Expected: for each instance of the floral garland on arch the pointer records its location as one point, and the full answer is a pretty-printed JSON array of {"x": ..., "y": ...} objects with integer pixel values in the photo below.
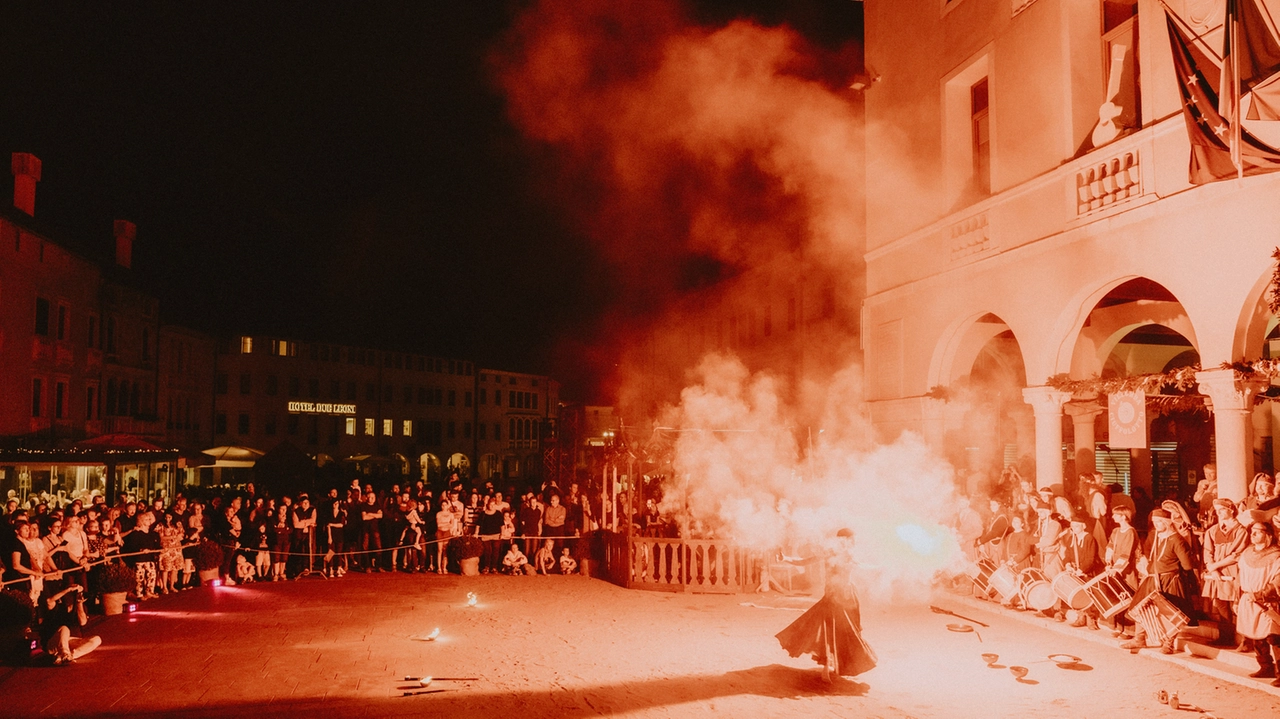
[
  {"x": 1181, "y": 379},
  {"x": 1273, "y": 291}
]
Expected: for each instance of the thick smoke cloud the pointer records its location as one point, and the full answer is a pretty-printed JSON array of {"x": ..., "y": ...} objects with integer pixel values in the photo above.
[{"x": 719, "y": 171}]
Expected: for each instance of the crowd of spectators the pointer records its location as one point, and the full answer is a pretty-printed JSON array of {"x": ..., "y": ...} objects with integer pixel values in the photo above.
[
  {"x": 1210, "y": 559},
  {"x": 55, "y": 550}
]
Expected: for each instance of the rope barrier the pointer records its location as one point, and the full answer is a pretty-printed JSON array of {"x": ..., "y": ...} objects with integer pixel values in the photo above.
[{"x": 117, "y": 555}]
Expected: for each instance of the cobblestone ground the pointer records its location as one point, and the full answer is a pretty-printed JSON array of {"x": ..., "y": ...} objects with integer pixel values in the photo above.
[{"x": 573, "y": 647}]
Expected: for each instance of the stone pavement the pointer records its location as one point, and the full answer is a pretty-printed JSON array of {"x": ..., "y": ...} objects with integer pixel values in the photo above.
[
  {"x": 575, "y": 647},
  {"x": 1198, "y": 656}
]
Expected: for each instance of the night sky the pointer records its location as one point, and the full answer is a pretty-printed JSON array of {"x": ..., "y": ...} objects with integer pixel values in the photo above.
[{"x": 337, "y": 172}]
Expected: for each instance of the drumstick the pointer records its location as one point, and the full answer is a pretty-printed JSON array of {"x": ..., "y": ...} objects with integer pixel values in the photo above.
[{"x": 940, "y": 610}]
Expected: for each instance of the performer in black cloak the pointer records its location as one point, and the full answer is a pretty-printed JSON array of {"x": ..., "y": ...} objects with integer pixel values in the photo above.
[{"x": 831, "y": 630}]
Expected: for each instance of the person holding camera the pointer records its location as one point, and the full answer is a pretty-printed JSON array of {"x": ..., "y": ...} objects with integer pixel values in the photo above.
[{"x": 61, "y": 617}]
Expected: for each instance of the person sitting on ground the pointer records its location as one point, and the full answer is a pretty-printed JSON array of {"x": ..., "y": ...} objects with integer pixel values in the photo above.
[
  {"x": 515, "y": 562},
  {"x": 568, "y": 565},
  {"x": 545, "y": 561},
  {"x": 60, "y": 618}
]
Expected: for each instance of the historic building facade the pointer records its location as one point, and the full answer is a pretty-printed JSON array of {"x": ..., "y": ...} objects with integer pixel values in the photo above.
[{"x": 1030, "y": 215}]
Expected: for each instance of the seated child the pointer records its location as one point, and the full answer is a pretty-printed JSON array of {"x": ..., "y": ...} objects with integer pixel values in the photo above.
[
  {"x": 546, "y": 558},
  {"x": 568, "y": 565},
  {"x": 515, "y": 561},
  {"x": 245, "y": 570}
]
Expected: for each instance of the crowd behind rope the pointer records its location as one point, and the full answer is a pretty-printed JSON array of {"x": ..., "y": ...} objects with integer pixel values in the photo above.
[
  {"x": 54, "y": 550},
  {"x": 1214, "y": 560}
]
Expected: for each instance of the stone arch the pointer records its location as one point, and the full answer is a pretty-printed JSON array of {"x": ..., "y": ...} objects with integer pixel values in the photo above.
[
  {"x": 1088, "y": 340},
  {"x": 1255, "y": 322},
  {"x": 961, "y": 344}
]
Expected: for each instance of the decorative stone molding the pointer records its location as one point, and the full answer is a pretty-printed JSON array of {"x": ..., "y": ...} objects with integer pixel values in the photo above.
[
  {"x": 1109, "y": 182},
  {"x": 1045, "y": 400},
  {"x": 1226, "y": 392},
  {"x": 970, "y": 236}
]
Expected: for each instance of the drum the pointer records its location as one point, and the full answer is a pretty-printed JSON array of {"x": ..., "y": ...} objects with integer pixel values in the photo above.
[
  {"x": 1035, "y": 590},
  {"x": 1070, "y": 590},
  {"x": 1158, "y": 617},
  {"x": 1109, "y": 593},
  {"x": 981, "y": 575},
  {"x": 1005, "y": 583}
]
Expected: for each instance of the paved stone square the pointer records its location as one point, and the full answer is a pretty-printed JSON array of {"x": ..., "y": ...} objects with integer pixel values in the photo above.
[{"x": 574, "y": 647}]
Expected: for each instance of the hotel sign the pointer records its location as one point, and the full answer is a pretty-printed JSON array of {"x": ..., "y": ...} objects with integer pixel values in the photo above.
[{"x": 321, "y": 408}]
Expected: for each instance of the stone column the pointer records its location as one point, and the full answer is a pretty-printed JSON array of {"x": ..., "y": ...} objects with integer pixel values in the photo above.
[
  {"x": 1232, "y": 401},
  {"x": 1083, "y": 415},
  {"x": 1047, "y": 403}
]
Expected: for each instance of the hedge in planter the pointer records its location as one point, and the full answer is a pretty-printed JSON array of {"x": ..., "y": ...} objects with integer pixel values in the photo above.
[
  {"x": 118, "y": 577},
  {"x": 207, "y": 555}
]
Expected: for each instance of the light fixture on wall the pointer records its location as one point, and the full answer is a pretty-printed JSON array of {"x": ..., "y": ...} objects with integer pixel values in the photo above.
[{"x": 864, "y": 80}]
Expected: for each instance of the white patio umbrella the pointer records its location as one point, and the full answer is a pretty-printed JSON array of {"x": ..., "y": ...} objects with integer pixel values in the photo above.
[{"x": 233, "y": 456}]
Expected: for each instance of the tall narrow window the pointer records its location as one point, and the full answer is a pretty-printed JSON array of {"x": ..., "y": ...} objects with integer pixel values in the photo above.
[
  {"x": 37, "y": 397},
  {"x": 93, "y": 332},
  {"x": 246, "y": 345},
  {"x": 63, "y": 312},
  {"x": 90, "y": 401},
  {"x": 60, "y": 400},
  {"x": 1121, "y": 107},
  {"x": 979, "y": 104},
  {"x": 42, "y": 317}
]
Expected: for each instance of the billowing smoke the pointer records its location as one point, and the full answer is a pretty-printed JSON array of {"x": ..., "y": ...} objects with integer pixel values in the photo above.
[{"x": 719, "y": 171}]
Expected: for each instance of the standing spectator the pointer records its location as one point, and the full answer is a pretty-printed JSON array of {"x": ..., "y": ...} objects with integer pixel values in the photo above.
[
  {"x": 335, "y": 532},
  {"x": 370, "y": 532},
  {"x": 1207, "y": 491},
  {"x": 553, "y": 519},
  {"x": 411, "y": 538},
  {"x": 490, "y": 527},
  {"x": 446, "y": 528},
  {"x": 141, "y": 549},
  {"x": 529, "y": 523},
  {"x": 281, "y": 541},
  {"x": 1224, "y": 542},
  {"x": 304, "y": 534},
  {"x": 171, "y": 536},
  {"x": 24, "y": 570}
]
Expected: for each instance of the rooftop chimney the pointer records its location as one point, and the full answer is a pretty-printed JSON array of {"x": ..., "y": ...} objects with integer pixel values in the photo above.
[
  {"x": 125, "y": 232},
  {"x": 26, "y": 173}
]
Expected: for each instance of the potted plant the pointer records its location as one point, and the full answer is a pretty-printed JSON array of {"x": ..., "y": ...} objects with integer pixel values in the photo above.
[
  {"x": 118, "y": 579},
  {"x": 16, "y": 615},
  {"x": 208, "y": 560},
  {"x": 466, "y": 552}
]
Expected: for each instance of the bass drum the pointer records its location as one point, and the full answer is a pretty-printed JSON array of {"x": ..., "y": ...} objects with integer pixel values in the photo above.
[
  {"x": 1036, "y": 591},
  {"x": 1070, "y": 590}
]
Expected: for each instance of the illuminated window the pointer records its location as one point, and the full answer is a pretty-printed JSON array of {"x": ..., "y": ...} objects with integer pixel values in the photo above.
[
  {"x": 246, "y": 345},
  {"x": 368, "y": 427},
  {"x": 407, "y": 429},
  {"x": 387, "y": 427},
  {"x": 351, "y": 426}
]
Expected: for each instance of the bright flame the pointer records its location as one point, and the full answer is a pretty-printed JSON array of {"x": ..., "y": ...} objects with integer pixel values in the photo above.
[{"x": 471, "y": 600}]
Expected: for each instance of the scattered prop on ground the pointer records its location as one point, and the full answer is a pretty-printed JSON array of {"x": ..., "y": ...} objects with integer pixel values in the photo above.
[{"x": 940, "y": 610}]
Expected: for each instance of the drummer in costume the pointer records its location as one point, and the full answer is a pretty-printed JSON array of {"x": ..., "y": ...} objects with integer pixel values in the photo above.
[
  {"x": 831, "y": 630},
  {"x": 1121, "y": 556},
  {"x": 1223, "y": 544},
  {"x": 1080, "y": 555},
  {"x": 1049, "y": 549},
  {"x": 993, "y": 534},
  {"x": 1162, "y": 562},
  {"x": 1258, "y": 611}
]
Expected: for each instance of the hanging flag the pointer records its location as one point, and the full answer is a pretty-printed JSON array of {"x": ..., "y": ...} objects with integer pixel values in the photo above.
[
  {"x": 1207, "y": 129},
  {"x": 1127, "y": 420},
  {"x": 1258, "y": 66},
  {"x": 1229, "y": 84}
]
